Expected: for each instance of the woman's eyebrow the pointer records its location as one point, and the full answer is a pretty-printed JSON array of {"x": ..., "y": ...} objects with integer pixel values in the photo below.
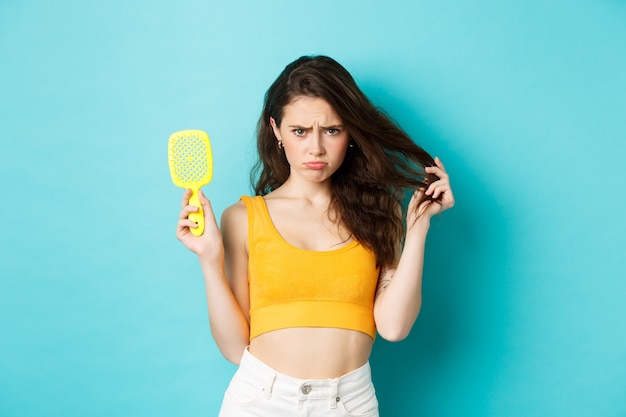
[{"x": 332, "y": 126}]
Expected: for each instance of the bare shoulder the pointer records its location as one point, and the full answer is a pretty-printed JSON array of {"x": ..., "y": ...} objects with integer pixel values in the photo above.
[
  {"x": 234, "y": 224},
  {"x": 235, "y": 212}
]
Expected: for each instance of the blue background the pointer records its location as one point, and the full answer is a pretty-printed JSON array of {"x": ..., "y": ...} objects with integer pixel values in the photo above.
[{"x": 103, "y": 312}]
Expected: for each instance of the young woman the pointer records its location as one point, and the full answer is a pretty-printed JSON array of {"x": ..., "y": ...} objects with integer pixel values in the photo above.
[{"x": 301, "y": 277}]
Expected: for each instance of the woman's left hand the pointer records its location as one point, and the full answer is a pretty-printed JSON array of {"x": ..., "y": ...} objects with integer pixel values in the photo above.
[{"x": 440, "y": 192}]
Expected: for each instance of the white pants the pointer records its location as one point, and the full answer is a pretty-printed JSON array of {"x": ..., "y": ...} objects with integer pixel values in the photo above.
[{"x": 257, "y": 390}]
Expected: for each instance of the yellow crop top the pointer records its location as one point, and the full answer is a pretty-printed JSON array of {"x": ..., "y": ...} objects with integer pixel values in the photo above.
[{"x": 293, "y": 287}]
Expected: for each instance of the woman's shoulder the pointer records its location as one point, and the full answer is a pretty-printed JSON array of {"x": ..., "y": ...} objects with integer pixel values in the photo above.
[
  {"x": 234, "y": 221},
  {"x": 236, "y": 210},
  {"x": 235, "y": 214}
]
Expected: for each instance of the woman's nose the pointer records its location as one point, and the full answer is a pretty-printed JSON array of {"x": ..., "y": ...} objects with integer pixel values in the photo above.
[{"x": 315, "y": 145}]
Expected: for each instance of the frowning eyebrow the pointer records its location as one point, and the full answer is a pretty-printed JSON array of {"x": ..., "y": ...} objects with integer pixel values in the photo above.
[{"x": 338, "y": 126}]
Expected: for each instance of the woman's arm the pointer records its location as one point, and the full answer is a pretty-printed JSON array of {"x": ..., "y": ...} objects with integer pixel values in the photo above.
[
  {"x": 222, "y": 255},
  {"x": 399, "y": 294}
]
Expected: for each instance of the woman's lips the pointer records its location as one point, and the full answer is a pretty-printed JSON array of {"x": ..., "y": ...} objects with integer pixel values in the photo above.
[{"x": 315, "y": 164}]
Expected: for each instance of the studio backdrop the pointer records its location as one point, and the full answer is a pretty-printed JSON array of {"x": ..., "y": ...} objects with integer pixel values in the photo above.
[{"x": 103, "y": 311}]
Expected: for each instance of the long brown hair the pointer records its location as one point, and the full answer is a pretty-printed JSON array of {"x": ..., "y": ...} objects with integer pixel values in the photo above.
[{"x": 380, "y": 167}]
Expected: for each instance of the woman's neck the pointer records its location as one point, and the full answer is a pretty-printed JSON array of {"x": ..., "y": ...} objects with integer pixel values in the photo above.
[{"x": 315, "y": 193}]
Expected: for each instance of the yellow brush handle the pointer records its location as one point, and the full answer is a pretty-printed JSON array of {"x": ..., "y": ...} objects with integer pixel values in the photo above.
[{"x": 198, "y": 216}]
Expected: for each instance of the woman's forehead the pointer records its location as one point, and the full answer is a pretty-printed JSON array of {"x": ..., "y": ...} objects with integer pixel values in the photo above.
[{"x": 305, "y": 110}]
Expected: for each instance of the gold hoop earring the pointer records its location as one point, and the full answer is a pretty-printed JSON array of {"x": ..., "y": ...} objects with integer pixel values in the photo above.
[{"x": 280, "y": 144}]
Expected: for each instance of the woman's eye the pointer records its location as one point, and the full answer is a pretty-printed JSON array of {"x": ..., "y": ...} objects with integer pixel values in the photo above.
[
  {"x": 299, "y": 132},
  {"x": 333, "y": 131}
]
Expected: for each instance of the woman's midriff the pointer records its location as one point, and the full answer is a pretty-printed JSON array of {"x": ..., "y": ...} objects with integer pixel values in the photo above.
[{"x": 312, "y": 353}]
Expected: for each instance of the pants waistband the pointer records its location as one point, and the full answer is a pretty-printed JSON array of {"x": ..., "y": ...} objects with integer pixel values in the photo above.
[{"x": 253, "y": 369}]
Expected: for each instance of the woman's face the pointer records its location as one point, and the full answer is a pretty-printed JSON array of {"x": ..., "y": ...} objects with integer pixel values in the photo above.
[{"x": 314, "y": 138}]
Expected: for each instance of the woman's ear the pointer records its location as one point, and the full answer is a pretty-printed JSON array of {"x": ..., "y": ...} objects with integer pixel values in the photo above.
[{"x": 275, "y": 129}]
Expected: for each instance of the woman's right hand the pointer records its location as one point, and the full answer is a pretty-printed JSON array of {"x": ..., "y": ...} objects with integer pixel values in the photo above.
[{"x": 209, "y": 244}]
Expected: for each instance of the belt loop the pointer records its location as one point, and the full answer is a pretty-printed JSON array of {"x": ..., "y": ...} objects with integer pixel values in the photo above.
[
  {"x": 334, "y": 397},
  {"x": 270, "y": 386}
]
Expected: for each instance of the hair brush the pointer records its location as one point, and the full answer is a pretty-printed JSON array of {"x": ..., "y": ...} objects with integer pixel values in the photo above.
[{"x": 191, "y": 167}]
